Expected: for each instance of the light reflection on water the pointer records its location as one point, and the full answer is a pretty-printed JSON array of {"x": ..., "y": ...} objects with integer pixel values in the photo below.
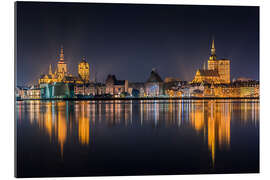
[{"x": 211, "y": 119}]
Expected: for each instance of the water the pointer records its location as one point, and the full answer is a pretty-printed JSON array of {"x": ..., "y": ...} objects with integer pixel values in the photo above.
[{"x": 90, "y": 138}]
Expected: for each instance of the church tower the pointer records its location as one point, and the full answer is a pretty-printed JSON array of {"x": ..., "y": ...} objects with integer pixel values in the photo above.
[
  {"x": 61, "y": 64},
  {"x": 218, "y": 70},
  {"x": 221, "y": 65},
  {"x": 50, "y": 70},
  {"x": 213, "y": 51},
  {"x": 212, "y": 63},
  {"x": 83, "y": 70}
]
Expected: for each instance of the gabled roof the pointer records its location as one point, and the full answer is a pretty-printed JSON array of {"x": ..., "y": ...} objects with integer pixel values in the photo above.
[
  {"x": 111, "y": 79},
  {"x": 154, "y": 77}
]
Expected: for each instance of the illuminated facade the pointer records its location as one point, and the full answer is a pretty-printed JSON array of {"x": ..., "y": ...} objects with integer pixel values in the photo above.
[
  {"x": 154, "y": 85},
  {"x": 83, "y": 70},
  {"x": 115, "y": 87},
  {"x": 218, "y": 71},
  {"x": 61, "y": 65},
  {"x": 89, "y": 89},
  {"x": 206, "y": 76},
  {"x": 234, "y": 89}
]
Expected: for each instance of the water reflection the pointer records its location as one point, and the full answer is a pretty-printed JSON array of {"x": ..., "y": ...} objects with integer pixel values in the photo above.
[
  {"x": 211, "y": 120},
  {"x": 84, "y": 124}
]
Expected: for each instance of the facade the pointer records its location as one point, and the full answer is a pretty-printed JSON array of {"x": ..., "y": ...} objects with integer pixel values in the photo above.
[
  {"x": 154, "y": 85},
  {"x": 61, "y": 65},
  {"x": 173, "y": 87},
  {"x": 32, "y": 92},
  {"x": 136, "y": 87},
  {"x": 89, "y": 89},
  {"x": 21, "y": 93},
  {"x": 235, "y": 89},
  {"x": 83, "y": 71},
  {"x": 206, "y": 76},
  {"x": 57, "y": 90},
  {"x": 115, "y": 87},
  {"x": 218, "y": 71},
  {"x": 223, "y": 68}
]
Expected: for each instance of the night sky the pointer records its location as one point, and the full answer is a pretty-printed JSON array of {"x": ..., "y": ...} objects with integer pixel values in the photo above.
[{"x": 129, "y": 40}]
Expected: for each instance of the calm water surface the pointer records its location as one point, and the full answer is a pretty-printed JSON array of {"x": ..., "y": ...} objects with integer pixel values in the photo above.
[{"x": 84, "y": 138}]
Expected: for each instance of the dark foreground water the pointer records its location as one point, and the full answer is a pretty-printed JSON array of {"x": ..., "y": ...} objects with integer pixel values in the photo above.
[{"x": 89, "y": 138}]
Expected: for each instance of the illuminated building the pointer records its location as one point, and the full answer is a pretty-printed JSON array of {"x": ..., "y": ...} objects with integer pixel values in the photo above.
[
  {"x": 154, "y": 85},
  {"x": 61, "y": 73},
  {"x": 89, "y": 89},
  {"x": 21, "y": 93},
  {"x": 173, "y": 93},
  {"x": 61, "y": 65},
  {"x": 136, "y": 88},
  {"x": 218, "y": 70},
  {"x": 221, "y": 65},
  {"x": 115, "y": 87},
  {"x": 206, "y": 76},
  {"x": 235, "y": 89},
  {"x": 83, "y": 70},
  {"x": 28, "y": 93},
  {"x": 60, "y": 84},
  {"x": 57, "y": 90}
]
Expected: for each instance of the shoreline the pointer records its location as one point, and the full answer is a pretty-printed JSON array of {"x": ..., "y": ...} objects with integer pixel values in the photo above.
[{"x": 144, "y": 98}]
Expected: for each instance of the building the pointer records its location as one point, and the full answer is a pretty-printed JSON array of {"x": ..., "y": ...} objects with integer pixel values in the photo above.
[
  {"x": 57, "y": 90},
  {"x": 173, "y": 87},
  {"x": 218, "y": 71},
  {"x": 61, "y": 65},
  {"x": 61, "y": 73},
  {"x": 32, "y": 92},
  {"x": 83, "y": 71},
  {"x": 61, "y": 83},
  {"x": 20, "y": 92},
  {"x": 234, "y": 89},
  {"x": 89, "y": 89},
  {"x": 154, "y": 85},
  {"x": 115, "y": 87},
  {"x": 134, "y": 87},
  {"x": 206, "y": 76}
]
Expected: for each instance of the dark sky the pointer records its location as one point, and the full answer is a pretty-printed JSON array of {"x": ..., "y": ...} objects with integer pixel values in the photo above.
[{"x": 130, "y": 40}]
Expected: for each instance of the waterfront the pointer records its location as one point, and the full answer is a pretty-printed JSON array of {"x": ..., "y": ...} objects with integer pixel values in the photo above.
[{"x": 73, "y": 138}]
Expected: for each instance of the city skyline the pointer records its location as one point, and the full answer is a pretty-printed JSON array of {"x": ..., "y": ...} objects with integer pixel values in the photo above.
[
  {"x": 174, "y": 51},
  {"x": 105, "y": 89}
]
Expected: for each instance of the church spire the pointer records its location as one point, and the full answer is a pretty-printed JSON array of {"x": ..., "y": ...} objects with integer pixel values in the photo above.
[
  {"x": 61, "y": 54},
  {"x": 83, "y": 59},
  {"x": 213, "y": 51},
  {"x": 50, "y": 69}
]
